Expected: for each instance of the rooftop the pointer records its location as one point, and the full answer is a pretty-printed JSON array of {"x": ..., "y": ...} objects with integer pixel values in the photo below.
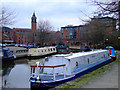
[
  {"x": 71, "y": 26},
  {"x": 22, "y": 28}
]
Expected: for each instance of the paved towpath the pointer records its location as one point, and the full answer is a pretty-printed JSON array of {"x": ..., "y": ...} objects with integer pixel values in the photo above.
[{"x": 108, "y": 80}]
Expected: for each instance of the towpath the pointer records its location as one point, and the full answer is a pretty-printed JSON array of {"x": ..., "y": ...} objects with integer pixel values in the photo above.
[{"x": 109, "y": 79}]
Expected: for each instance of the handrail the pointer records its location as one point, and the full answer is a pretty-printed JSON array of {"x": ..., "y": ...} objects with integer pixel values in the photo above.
[{"x": 49, "y": 66}]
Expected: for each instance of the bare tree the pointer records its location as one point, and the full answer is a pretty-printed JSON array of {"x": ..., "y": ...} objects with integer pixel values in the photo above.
[
  {"x": 108, "y": 7},
  {"x": 6, "y": 17},
  {"x": 44, "y": 31},
  {"x": 111, "y": 8}
]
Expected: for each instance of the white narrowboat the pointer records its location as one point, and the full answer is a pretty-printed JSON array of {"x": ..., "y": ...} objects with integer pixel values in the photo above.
[
  {"x": 38, "y": 52},
  {"x": 62, "y": 68}
]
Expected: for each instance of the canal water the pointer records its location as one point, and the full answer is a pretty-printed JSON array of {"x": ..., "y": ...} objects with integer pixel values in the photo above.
[{"x": 17, "y": 73}]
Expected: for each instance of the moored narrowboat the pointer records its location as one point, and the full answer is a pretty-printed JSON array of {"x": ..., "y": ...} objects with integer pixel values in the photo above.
[
  {"x": 111, "y": 51},
  {"x": 61, "y": 49},
  {"x": 41, "y": 52},
  {"x": 6, "y": 55},
  {"x": 67, "y": 67}
]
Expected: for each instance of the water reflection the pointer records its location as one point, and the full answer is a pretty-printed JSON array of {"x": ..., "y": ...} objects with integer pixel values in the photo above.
[{"x": 17, "y": 74}]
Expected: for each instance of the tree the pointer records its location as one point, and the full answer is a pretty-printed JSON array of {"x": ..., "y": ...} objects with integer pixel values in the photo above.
[
  {"x": 44, "y": 31},
  {"x": 95, "y": 31},
  {"x": 108, "y": 8},
  {"x": 111, "y": 8},
  {"x": 6, "y": 17}
]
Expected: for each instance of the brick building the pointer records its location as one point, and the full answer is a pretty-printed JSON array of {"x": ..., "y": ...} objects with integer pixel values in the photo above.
[
  {"x": 21, "y": 35},
  {"x": 71, "y": 34},
  {"x": 6, "y": 36},
  {"x": 80, "y": 35}
]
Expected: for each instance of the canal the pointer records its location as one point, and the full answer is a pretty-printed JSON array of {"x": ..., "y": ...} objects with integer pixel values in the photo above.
[{"x": 17, "y": 73}]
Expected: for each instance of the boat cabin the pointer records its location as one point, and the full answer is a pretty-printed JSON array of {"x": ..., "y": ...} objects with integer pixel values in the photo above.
[
  {"x": 5, "y": 54},
  {"x": 41, "y": 51}
]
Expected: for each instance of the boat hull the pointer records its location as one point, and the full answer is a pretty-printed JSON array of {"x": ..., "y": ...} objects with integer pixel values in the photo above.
[
  {"x": 53, "y": 84},
  {"x": 40, "y": 56}
]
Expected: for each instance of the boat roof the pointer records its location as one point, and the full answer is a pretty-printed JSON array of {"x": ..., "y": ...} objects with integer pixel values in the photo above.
[
  {"x": 62, "y": 55},
  {"x": 4, "y": 48},
  {"x": 41, "y": 48},
  {"x": 74, "y": 55}
]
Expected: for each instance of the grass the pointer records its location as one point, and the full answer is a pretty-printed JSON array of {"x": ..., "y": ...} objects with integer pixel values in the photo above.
[{"x": 83, "y": 80}]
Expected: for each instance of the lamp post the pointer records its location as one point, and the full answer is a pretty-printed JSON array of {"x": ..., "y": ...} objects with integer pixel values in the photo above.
[{"x": 107, "y": 41}]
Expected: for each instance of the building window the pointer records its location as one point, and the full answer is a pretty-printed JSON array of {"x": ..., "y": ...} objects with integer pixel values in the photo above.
[
  {"x": 19, "y": 42},
  {"x": 19, "y": 36},
  {"x": 22, "y": 35}
]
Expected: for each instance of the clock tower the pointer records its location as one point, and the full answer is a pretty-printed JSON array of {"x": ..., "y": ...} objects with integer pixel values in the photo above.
[{"x": 33, "y": 23}]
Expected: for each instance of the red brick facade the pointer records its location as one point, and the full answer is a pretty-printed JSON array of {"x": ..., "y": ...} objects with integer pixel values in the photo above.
[
  {"x": 71, "y": 34},
  {"x": 20, "y": 35}
]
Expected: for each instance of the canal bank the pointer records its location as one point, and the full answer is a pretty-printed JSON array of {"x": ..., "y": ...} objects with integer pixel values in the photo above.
[
  {"x": 109, "y": 79},
  {"x": 102, "y": 74}
]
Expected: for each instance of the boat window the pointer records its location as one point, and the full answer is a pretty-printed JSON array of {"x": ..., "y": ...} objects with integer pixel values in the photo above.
[
  {"x": 48, "y": 49},
  {"x": 69, "y": 60},
  {"x": 54, "y": 49},
  {"x": 42, "y": 50},
  {"x": 51, "y": 49},
  {"x": 76, "y": 64},
  {"x": 88, "y": 61}
]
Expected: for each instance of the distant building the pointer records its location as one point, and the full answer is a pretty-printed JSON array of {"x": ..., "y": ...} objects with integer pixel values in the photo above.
[
  {"x": 21, "y": 35},
  {"x": 6, "y": 35},
  {"x": 71, "y": 34},
  {"x": 109, "y": 22},
  {"x": 79, "y": 35}
]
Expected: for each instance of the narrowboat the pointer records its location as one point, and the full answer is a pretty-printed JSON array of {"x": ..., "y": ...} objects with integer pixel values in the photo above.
[
  {"x": 5, "y": 55},
  {"x": 111, "y": 51},
  {"x": 61, "y": 49},
  {"x": 41, "y": 52},
  {"x": 19, "y": 52},
  {"x": 67, "y": 67}
]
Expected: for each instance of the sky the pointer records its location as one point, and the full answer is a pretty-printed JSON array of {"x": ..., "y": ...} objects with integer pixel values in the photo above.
[{"x": 59, "y": 13}]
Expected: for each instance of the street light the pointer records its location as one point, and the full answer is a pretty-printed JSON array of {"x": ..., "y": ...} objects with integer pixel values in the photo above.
[
  {"x": 119, "y": 38},
  {"x": 107, "y": 39}
]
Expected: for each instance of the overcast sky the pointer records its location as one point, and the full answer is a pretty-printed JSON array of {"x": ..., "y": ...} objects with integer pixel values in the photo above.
[{"x": 58, "y": 12}]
